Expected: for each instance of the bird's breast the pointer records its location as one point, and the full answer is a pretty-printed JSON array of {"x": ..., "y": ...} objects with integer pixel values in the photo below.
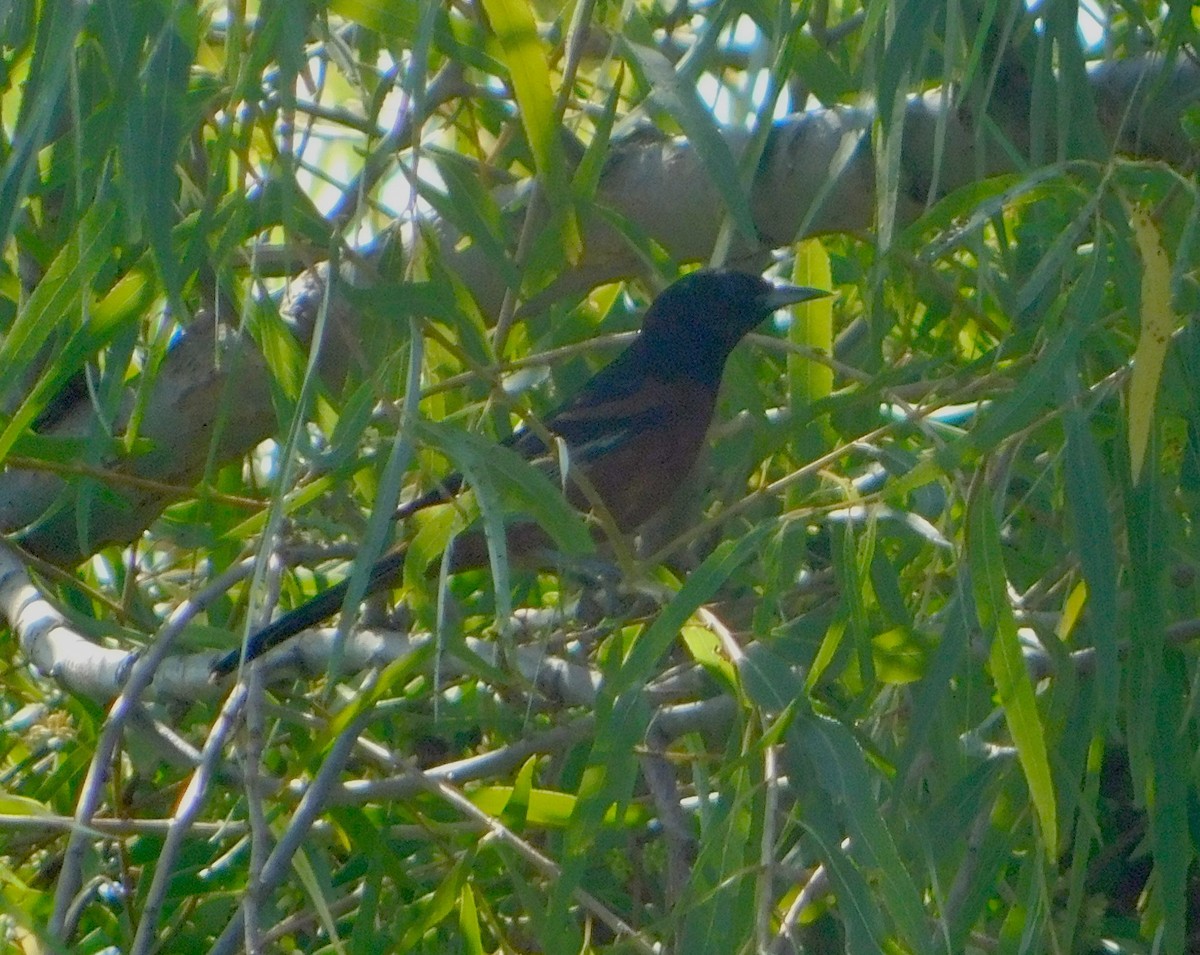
[{"x": 645, "y": 466}]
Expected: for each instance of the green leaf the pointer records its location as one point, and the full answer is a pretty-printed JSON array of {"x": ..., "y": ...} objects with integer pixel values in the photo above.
[
  {"x": 1095, "y": 543},
  {"x": 57, "y": 301},
  {"x": 827, "y": 767},
  {"x": 392, "y": 301},
  {"x": 1157, "y": 325},
  {"x": 380, "y": 524},
  {"x": 400, "y": 19},
  {"x": 320, "y": 892},
  {"x": 598, "y": 152},
  {"x": 1172, "y": 838},
  {"x": 910, "y": 38},
  {"x": 606, "y": 782},
  {"x": 827, "y": 78},
  {"x": 704, "y": 647},
  {"x": 153, "y": 134},
  {"x": 769, "y": 681},
  {"x": 1158, "y": 734},
  {"x": 683, "y": 103},
  {"x": 12, "y": 804},
  {"x": 1064, "y": 250},
  {"x": 58, "y": 26},
  {"x": 810, "y": 381},
  {"x": 826, "y": 751},
  {"x": 701, "y": 584},
  {"x": 524, "y": 55},
  {"x": 861, "y": 917},
  {"x": 1035, "y": 393},
  {"x": 928, "y": 708},
  {"x": 468, "y": 922},
  {"x": 470, "y": 207},
  {"x": 1013, "y": 686},
  {"x": 529, "y": 490},
  {"x": 719, "y": 898},
  {"x": 438, "y": 907}
]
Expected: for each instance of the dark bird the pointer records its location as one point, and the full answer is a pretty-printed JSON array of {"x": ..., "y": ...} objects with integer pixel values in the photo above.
[{"x": 632, "y": 433}]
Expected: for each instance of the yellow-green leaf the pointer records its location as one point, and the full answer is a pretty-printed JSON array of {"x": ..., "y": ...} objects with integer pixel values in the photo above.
[
  {"x": 57, "y": 302},
  {"x": 468, "y": 922},
  {"x": 705, "y": 649},
  {"x": 1013, "y": 685},
  {"x": 1157, "y": 323},
  {"x": 812, "y": 325},
  {"x": 524, "y": 54}
]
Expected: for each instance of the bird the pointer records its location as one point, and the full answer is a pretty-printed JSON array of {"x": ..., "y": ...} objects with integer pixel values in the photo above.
[{"x": 632, "y": 433}]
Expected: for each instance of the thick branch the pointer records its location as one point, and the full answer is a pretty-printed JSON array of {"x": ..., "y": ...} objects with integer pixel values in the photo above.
[{"x": 816, "y": 176}]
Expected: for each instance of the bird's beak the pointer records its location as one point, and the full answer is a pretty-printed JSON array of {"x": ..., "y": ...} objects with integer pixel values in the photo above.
[{"x": 781, "y": 295}]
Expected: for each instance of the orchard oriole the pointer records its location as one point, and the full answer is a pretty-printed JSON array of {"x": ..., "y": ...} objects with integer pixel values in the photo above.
[{"x": 632, "y": 433}]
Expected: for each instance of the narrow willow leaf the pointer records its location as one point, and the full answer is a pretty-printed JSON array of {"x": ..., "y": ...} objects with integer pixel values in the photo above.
[
  {"x": 387, "y": 494},
  {"x": 58, "y": 25},
  {"x": 537, "y": 495},
  {"x": 1157, "y": 687},
  {"x": 828, "y": 649},
  {"x": 812, "y": 326},
  {"x": 1157, "y": 324},
  {"x": 525, "y": 57},
  {"x": 436, "y": 908},
  {"x": 1013, "y": 686},
  {"x": 1035, "y": 392},
  {"x": 1072, "y": 611},
  {"x": 1144, "y": 520},
  {"x": 683, "y": 103},
  {"x": 854, "y": 596},
  {"x": 57, "y": 301},
  {"x": 701, "y": 584},
  {"x": 606, "y": 782},
  {"x": 473, "y": 209},
  {"x": 458, "y": 37},
  {"x": 1171, "y": 835},
  {"x": 1082, "y": 845},
  {"x": 772, "y": 685},
  {"x": 861, "y": 918},
  {"x": 828, "y": 79},
  {"x": 956, "y": 219},
  {"x": 597, "y": 154},
  {"x": 1087, "y": 495},
  {"x": 906, "y": 47},
  {"x": 828, "y": 768},
  {"x": 514, "y": 813},
  {"x": 319, "y": 891},
  {"x": 1058, "y": 258},
  {"x": 58, "y": 295},
  {"x": 468, "y": 922},
  {"x": 129, "y": 297},
  {"x": 152, "y": 140},
  {"x": 719, "y": 903},
  {"x": 931, "y": 696},
  {"x": 549, "y": 807},
  {"x": 704, "y": 647},
  {"x": 824, "y": 751}
]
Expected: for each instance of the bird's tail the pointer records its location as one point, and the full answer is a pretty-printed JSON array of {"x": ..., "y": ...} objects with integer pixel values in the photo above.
[{"x": 322, "y": 606}]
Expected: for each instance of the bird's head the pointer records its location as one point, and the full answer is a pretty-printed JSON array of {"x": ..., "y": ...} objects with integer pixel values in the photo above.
[{"x": 717, "y": 307}]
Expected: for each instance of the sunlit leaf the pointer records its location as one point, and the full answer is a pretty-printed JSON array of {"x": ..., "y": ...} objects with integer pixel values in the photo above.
[
  {"x": 1011, "y": 678},
  {"x": 1157, "y": 325},
  {"x": 525, "y": 57}
]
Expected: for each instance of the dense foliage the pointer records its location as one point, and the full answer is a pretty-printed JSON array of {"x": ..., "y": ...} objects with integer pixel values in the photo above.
[{"x": 910, "y": 666}]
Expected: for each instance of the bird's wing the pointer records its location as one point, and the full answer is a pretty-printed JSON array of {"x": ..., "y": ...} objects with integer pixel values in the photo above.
[{"x": 616, "y": 405}]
